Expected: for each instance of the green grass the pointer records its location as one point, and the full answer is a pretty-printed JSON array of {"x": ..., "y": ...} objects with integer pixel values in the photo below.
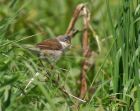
[{"x": 115, "y": 79}]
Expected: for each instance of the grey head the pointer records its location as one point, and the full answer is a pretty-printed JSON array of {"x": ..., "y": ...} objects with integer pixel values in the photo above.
[
  {"x": 67, "y": 38},
  {"x": 63, "y": 38}
]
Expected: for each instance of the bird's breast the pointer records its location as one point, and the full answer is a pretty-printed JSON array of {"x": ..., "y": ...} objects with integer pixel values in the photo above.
[{"x": 53, "y": 55}]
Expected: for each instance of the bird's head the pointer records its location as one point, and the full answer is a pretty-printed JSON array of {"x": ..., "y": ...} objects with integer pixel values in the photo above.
[
  {"x": 64, "y": 40},
  {"x": 67, "y": 38}
]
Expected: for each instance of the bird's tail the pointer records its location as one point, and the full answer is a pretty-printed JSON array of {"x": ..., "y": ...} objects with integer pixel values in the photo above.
[{"x": 31, "y": 48}]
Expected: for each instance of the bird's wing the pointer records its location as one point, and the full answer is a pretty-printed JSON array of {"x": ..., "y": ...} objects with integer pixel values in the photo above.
[{"x": 52, "y": 44}]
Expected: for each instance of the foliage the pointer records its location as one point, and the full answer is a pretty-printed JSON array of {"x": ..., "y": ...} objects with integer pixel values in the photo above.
[{"x": 113, "y": 85}]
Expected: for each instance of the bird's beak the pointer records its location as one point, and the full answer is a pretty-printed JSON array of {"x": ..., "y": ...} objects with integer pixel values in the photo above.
[{"x": 73, "y": 33}]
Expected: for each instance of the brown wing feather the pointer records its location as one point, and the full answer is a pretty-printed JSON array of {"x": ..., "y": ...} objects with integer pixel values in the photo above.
[{"x": 51, "y": 44}]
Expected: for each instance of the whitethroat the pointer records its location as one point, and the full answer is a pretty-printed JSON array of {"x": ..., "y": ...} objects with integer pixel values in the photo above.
[{"x": 52, "y": 49}]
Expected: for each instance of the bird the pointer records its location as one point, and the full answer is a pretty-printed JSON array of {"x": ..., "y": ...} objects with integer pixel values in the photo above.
[{"x": 52, "y": 49}]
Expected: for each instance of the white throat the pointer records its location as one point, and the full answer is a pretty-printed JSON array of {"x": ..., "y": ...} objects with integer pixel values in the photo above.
[{"x": 64, "y": 44}]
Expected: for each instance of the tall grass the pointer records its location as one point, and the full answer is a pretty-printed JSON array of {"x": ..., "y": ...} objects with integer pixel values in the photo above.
[{"x": 125, "y": 56}]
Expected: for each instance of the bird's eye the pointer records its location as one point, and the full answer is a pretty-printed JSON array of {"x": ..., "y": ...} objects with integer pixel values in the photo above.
[{"x": 65, "y": 39}]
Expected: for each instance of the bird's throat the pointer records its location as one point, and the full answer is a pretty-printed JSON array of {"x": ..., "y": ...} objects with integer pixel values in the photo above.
[{"x": 64, "y": 45}]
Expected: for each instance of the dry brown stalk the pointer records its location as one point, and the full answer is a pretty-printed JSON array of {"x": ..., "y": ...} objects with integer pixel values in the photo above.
[
  {"x": 86, "y": 52},
  {"x": 74, "y": 18},
  {"x": 88, "y": 61},
  {"x": 89, "y": 55}
]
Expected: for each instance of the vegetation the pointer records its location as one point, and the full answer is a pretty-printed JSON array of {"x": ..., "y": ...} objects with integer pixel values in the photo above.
[{"x": 114, "y": 83}]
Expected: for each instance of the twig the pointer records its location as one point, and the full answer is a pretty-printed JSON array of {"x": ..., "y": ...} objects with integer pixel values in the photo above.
[
  {"x": 31, "y": 80},
  {"x": 75, "y": 17},
  {"x": 86, "y": 52},
  {"x": 96, "y": 37},
  {"x": 66, "y": 92},
  {"x": 81, "y": 100}
]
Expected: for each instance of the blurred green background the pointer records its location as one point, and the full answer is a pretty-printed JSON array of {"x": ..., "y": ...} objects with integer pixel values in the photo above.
[{"x": 115, "y": 78}]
